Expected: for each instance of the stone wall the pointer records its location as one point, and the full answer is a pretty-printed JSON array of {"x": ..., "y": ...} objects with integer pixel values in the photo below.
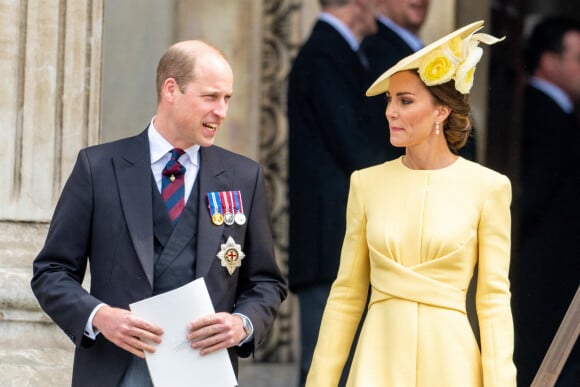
[
  {"x": 33, "y": 351},
  {"x": 49, "y": 109}
]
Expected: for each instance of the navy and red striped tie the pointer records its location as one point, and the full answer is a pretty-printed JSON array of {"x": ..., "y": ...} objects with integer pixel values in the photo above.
[{"x": 172, "y": 186}]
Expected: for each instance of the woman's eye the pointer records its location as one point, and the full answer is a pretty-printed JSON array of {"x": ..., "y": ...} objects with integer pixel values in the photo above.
[{"x": 405, "y": 101}]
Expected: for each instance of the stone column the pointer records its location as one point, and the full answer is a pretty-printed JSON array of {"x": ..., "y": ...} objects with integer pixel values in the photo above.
[{"x": 49, "y": 109}]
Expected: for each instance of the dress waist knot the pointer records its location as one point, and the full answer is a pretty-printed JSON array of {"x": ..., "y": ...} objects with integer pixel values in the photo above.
[{"x": 402, "y": 282}]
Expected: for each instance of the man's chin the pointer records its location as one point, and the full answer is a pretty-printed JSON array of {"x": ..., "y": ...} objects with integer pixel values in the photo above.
[{"x": 207, "y": 142}]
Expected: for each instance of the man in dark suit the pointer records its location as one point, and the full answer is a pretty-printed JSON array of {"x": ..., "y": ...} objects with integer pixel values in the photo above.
[
  {"x": 329, "y": 138},
  {"x": 548, "y": 263},
  {"x": 115, "y": 213},
  {"x": 399, "y": 22}
]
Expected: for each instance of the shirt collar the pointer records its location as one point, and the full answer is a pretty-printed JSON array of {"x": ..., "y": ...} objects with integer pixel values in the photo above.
[
  {"x": 159, "y": 146},
  {"x": 554, "y": 92},
  {"x": 342, "y": 29},
  {"x": 410, "y": 38}
]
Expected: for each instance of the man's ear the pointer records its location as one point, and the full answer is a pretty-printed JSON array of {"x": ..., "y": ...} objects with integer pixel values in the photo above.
[
  {"x": 548, "y": 63},
  {"x": 170, "y": 88}
]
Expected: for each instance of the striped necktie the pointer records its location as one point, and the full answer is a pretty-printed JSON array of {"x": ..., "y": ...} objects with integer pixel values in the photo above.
[{"x": 172, "y": 187}]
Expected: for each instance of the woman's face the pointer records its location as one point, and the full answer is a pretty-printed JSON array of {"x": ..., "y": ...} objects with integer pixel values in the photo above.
[{"x": 411, "y": 111}]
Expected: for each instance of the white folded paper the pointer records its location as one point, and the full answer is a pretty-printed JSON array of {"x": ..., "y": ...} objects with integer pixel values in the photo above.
[{"x": 174, "y": 362}]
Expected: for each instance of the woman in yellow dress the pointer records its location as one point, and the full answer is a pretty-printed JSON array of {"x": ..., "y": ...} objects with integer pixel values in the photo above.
[{"x": 417, "y": 227}]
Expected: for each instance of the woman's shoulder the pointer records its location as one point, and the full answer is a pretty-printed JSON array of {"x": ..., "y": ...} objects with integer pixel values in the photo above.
[
  {"x": 474, "y": 171},
  {"x": 378, "y": 177},
  {"x": 483, "y": 181}
]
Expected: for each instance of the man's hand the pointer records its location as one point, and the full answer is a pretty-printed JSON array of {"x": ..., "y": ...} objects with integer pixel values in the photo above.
[
  {"x": 216, "y": 331},
  {"x": 125, "y": 330}
]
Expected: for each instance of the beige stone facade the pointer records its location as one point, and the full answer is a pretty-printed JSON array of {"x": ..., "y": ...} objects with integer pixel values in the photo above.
[{"x": 49, "y": 108}]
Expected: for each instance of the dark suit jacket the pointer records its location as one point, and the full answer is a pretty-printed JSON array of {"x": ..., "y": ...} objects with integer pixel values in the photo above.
[
  {"x": 104, "y": 216},
  {"x": 548, "y": 262},
  {"x": 384, "y": 49},
  {"x": 329, "y": 137}
]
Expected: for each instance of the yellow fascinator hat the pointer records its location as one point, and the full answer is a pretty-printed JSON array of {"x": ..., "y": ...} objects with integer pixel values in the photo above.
[{"x": 454, "y": 56}]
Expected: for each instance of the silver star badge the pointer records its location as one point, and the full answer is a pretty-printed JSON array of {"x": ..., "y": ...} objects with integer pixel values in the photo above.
[{"x": 231, "y": 255}]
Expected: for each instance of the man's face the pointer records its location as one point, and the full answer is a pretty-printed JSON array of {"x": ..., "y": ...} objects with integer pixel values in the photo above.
[
  {"x": 568, "y": 68},
  {"x": 367, "y": 16},
  {"x": 409, "y": 14},
  {"x": 202, "y": 105}
]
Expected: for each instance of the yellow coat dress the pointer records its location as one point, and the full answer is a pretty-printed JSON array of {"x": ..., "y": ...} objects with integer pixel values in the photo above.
[{"x": 415, "y": 236}]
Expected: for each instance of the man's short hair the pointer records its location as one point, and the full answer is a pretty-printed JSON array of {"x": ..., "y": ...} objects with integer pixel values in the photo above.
[{"x": 547, "y": 36}]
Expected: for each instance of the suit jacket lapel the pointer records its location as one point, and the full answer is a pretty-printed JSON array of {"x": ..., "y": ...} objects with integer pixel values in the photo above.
[
  {"x": 133, "y": 169},
  {"x": 213, "y": 176}
]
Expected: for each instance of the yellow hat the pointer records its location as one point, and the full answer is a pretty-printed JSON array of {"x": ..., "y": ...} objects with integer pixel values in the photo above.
[{"x": 454, "y": 56}]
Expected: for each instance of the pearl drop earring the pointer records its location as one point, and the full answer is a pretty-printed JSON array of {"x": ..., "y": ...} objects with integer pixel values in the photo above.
[{"x": 437, "y": 127}]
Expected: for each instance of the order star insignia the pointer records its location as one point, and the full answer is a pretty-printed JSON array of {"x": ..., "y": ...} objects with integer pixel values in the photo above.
[{"x": 231, "y": 255}]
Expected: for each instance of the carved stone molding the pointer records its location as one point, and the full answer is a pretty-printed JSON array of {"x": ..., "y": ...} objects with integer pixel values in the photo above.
[
  {"x": 280, "y": 42},
  {"x": 49, "y": 98},
  {"x": 49, "y": 109}
]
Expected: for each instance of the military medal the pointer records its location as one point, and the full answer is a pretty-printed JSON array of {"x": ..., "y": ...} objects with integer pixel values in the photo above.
[
  {"x": 217, "y": 219},
  {"x": 215, "y": 208},
  {"x": 231, "y": 255},
  {"x": 227, "y": 203},
  {"x": 229, "y": 218},
  {"x": 226, "y": 207},
  {"x": 239, "y": 217}
]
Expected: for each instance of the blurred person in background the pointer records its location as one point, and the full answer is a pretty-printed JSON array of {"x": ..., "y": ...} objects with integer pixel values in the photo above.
[
  {"x": 329, "y": 138},
  {"x": 548, "y": 271}
]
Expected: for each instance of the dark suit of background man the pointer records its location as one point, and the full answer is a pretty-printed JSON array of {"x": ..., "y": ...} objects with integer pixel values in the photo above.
[
  {"x": 111, "y": 214},
  {"x": 548, "y": 265},
  {"x": 399, "y": 22},
  {"x": 329, "y": 137}
]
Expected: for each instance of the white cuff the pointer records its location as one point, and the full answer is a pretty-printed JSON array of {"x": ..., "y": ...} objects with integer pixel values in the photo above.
[{"x": 89, "y": 331}]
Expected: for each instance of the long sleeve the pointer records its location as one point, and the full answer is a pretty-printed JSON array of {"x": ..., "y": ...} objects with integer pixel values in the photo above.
[
  {"x": 347, "y": 298},
  {"x": 59, "y": 268},
  {"x": 493, "y": 294}
]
